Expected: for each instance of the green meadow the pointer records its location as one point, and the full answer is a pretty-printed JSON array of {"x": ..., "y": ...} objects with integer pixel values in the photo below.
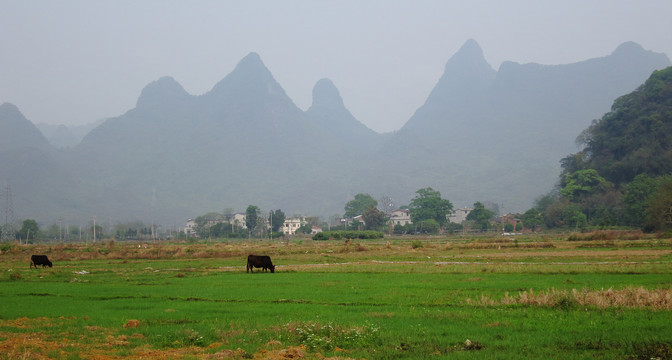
[{"x": 393, "y": 299}]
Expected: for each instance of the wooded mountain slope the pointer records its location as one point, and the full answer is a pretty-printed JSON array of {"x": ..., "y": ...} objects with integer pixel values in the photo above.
[{"x": 635, "y": 137}]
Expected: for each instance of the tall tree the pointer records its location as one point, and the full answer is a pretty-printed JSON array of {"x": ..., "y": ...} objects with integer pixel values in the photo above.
[
  {"x": 204, "y": 222},
  {"x": 659, "y": 211},
  {"x": 581, "y": 184},
  {"x": 532, "y": 219},
  {"x": 636, "y": 199},
  {"x": 386, "y": 205},
  {"x": 228, "y": 214},
  {"x": 251, "y": 218},
  {"x": 428, "y": 204},
  {"x": 277, "y": 219},
  {"x": 360, "y": 203},
  {"x": 480, "y": 216},
  {"x": 29, "y": 229},
  {"x": 373, "y": 218},
  {"x": 573, "y": 217}
]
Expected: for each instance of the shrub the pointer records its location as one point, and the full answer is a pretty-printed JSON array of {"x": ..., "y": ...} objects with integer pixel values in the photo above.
[
  {"x": 606, "y": 235},
  {"x": 321, "y": 236},
  {"x": 652, "y": 350},
  {"x": 6, "y": 247},
  {"x": 318, "y": 336}
]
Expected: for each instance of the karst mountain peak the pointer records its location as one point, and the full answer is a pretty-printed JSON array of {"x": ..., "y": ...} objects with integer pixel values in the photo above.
[{"x": 481, "y": 135}]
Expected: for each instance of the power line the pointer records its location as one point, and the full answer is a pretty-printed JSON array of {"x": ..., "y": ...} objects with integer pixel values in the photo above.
[{"x": 8, "y": 230}]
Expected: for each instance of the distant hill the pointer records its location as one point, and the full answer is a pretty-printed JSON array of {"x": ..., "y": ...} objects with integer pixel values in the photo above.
[
  {"x": 499, "y": 135},
  {"x": 17, "y": 132},
  {"x": 329, "y": 112},
  {"x": 244, "y": 142},
  {"x": 31, "y": 167},
  {"x": 482, "y": 135},
  {"x": 66, "y": 136}
]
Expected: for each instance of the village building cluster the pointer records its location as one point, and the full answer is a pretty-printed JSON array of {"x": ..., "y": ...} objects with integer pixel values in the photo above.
[
  {"x": 238, "y": 221},
  {"x": 292, "y": 224}
]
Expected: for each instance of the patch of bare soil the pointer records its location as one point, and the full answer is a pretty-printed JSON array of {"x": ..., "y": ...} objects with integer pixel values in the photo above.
[{"x": 37, "y": 346}]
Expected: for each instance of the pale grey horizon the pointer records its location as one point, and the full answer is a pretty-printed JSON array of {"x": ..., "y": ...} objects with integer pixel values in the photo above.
[{"x": 74, "y": 62}]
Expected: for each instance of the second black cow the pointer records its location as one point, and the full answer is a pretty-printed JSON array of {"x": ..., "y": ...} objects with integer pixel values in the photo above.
[
  {"x": 259, "y": 261},
  {"x": 40, "y": 260}
]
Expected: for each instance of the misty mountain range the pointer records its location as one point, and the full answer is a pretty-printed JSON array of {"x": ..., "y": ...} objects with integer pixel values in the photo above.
[{"x": 482, "y": 135}]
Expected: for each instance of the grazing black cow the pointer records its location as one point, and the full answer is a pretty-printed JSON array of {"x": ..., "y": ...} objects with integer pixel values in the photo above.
[
  {"x": 40, "y": 260},
  {"x": 259, "y": 261}
]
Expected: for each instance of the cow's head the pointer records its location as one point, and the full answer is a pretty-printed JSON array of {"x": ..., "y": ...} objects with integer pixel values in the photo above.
[{"x": 272, "y": 268}]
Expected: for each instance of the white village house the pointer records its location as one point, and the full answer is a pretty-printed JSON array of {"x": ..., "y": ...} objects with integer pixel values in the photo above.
[
  {"x": 400, "y": 217},
  {"x": 190, "y": 227},
  {"x": 237, "y": 220},
  {"x": 289, "y": 227},
  {"x": 403, "y": 217},
  {"x": 459, "y": 216},
  {"x": 292, "y": 224}
]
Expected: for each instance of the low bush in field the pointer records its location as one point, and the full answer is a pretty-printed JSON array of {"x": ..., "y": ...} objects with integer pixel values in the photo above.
[
  {"x": 607, "y": 235},
  {"x": 506, "y": 243},
  {"x": 330, "y": 336},
  {"x": 337, "y": 235},
  {"x": 658, "y": 299},
  {"x": 652, "y": 350},
  {"x": 6, "y": 247}
]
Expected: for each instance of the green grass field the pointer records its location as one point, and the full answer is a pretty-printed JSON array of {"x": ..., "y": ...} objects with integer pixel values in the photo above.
[{"x": 441, "y": 298}]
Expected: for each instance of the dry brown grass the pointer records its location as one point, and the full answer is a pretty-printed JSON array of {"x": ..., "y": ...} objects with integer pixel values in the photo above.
[
  {"x": 129, "y": 251},
  {"x": 504, "y": 244},
  {"x": 307, "y": 251},
  {"x": 631, "y": 297},
  {"x": 608, "y": 235},
  {"x": 612, "y": 254},
  {"x": 37, "y": 346}
]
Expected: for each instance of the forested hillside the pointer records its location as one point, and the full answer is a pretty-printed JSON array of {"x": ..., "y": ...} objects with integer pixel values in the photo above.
[
  {"x": 636, "y": 136},
  {"x": 622, "y": 176}
]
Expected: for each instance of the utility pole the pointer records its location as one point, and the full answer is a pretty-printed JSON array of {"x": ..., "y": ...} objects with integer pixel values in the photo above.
[
  {"x": 94, "y": 228},
  {"x": 8, "y": 231}
]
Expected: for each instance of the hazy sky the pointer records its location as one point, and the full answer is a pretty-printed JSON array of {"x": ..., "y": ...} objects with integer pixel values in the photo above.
[{"x": 73, "y": 62}]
